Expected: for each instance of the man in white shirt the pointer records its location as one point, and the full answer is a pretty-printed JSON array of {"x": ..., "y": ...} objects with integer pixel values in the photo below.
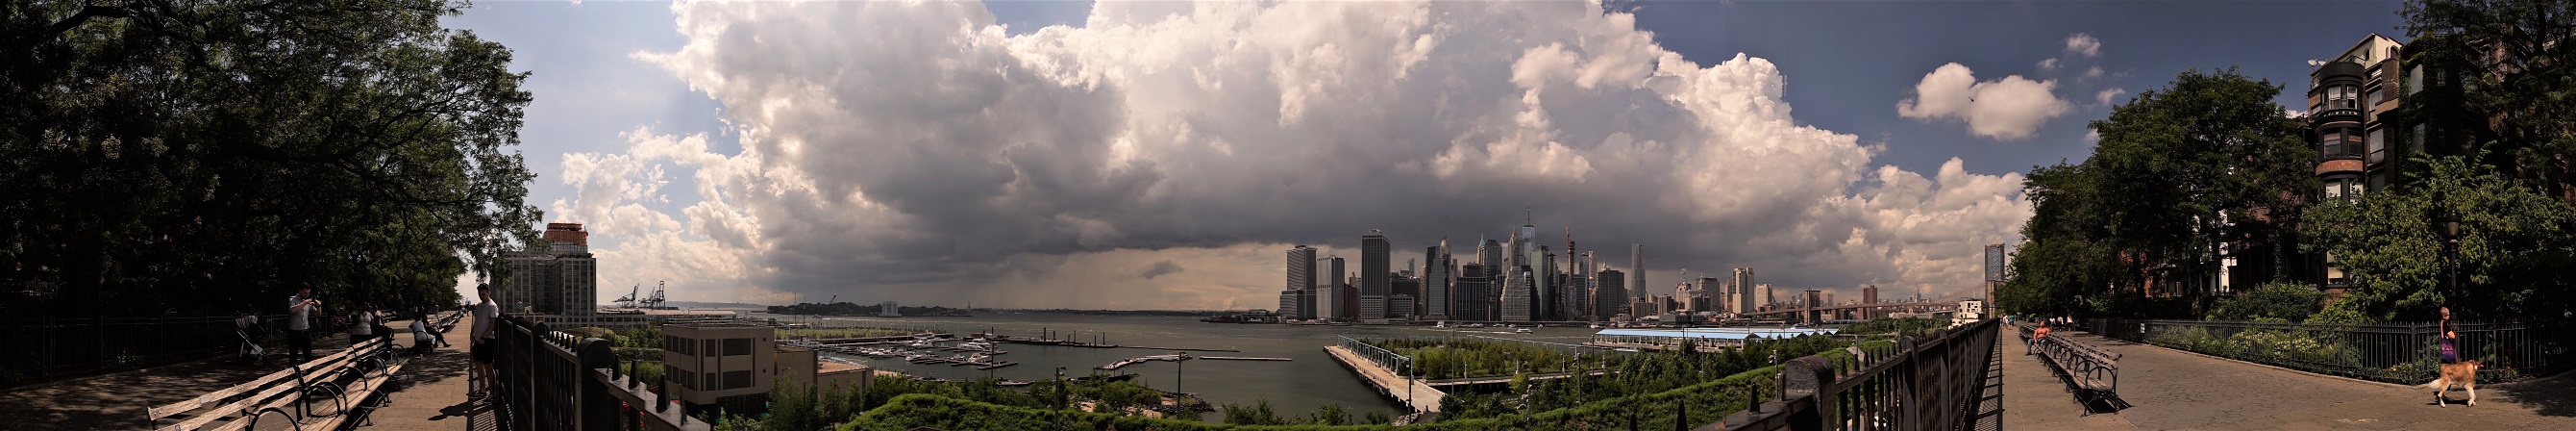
[
  {"x": 483, "y": 338},
  {"x": 299, "y": 326}
]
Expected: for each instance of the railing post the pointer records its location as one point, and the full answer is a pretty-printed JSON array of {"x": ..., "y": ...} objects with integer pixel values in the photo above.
[
  {"x": 597, "y": 410},
  {"x": 1810, "y": 377}
]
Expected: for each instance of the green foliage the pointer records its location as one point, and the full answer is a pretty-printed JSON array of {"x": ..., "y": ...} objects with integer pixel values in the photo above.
[
  {"x": 2271, "y": 303},
  {"x": 1259, "y": 413},
  {"x": 2500, "y": 75},
  {"x": 213, "y": 156},
  {"x": 1446, "y": 358},
  {"x": 2512, "y": 253},
  {"x": 2142, "y": 204}
]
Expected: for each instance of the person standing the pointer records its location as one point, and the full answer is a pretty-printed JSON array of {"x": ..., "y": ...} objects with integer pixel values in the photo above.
[
  {"x": 2448, "y": 342},
  {"x": 484, "y": 340},
  {"x": 299, "y": 325}
]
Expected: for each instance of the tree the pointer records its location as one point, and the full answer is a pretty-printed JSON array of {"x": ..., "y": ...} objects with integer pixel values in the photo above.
[
  {"x": 2504, "y": 88},
  {"x": 213, "y": 156},
  {"x": 2270, "y": 302},
  {"x": 2178, "y": 172},
  {"x": 2512, "y": 254}
]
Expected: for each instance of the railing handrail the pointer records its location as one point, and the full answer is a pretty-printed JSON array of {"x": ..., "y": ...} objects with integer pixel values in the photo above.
[
  {"x": 1927, "y": 383},
  {"x": 541, "y": 367}
]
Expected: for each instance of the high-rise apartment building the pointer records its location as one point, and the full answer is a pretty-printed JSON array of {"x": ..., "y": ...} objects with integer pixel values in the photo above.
[
  {"x": 1373, "y": 276},
  {"x": 1767, "y": 299},
  {"x": 560, "y": 281}
]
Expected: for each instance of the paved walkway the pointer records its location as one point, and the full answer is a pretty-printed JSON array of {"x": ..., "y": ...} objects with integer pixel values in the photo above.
[
  {"x": 429, "y": 395},
  {"x": 2170, "y": 389},
  {"x": 1422, "y": 398}
]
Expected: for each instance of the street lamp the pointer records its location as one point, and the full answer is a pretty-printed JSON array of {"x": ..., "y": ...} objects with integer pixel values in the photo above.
[{"x": 2451, "y": 249}]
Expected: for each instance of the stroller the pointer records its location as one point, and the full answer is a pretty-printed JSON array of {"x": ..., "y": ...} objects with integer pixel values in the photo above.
[{"x": 247, "y": 327}]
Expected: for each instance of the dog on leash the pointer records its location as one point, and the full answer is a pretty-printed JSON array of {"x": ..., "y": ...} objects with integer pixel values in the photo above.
[{"x": 2464, "y": 373}]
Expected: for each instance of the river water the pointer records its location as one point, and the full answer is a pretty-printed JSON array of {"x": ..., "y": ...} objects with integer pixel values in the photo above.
[{"x": 1311, "y": 379}]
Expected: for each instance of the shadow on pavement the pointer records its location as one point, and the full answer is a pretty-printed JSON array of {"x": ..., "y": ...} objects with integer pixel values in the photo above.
[{"x": 2549, "y": 396}]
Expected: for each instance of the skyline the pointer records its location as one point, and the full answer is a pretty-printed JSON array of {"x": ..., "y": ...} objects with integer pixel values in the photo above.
[{"x": 1160, "y": 158}]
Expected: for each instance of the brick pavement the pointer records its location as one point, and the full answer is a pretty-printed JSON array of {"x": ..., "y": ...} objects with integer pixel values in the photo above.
[
  {"x": 2171, "y": 389},
  {"x": 118, "y": 400}
]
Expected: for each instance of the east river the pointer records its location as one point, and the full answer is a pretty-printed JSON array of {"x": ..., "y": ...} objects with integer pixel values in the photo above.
[{"x": 1293, "y": 387}]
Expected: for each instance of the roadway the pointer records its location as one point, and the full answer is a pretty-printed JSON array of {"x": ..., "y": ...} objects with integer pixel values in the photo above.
[{"x": 2171, "y": 389}]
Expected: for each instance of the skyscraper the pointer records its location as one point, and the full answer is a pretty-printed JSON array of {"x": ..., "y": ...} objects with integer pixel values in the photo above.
[
  {"x": 1516, "y": 296},
  {"x": 1611, "y": 298},
  {"x": 1474, "y": 296},
  {"x": 1744, "y": 295},
  {"x": 1436, "y": 281},
  {"x": 1489, "y": 253},
  {"x": 1373, "y": 276},
  {"x": 1542, "y": 283},
  {"x": 1301, "y": 278},
  {"x": 1637, "y": 271},
  {"x": 1345, "y": 299},
  {"x": 1701, "y": 298},
  {"x": 1767, "y": 299}
]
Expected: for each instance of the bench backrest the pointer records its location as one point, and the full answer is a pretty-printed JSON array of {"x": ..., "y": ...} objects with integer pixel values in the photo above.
[{"x": 265, "y": 390}]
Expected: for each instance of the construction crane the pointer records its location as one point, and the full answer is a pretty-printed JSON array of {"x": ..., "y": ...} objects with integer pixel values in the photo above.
[
  {"x": 628, "y": 301},
  {"x": 655, "y": 301}
]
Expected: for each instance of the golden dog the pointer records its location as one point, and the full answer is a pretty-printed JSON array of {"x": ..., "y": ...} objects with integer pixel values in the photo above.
[{"x": 2464, "y": 374}]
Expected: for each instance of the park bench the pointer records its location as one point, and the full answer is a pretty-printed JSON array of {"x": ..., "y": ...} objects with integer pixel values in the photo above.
[
  {"x": 345, "y": 382},
  {"x": 2092, "y": 374}
]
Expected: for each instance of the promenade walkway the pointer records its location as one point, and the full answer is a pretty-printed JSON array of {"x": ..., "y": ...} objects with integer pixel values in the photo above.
[
  {"x": 1421, "y": 397},
  {"x": 2170, "y": 389},
  {"x": 429, "y": 395}
]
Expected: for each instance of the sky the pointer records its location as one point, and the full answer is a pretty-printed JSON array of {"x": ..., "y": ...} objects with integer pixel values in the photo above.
[{"x": 1166, "y": 155}]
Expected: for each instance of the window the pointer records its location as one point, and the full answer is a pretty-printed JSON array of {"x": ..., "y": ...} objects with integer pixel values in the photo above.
[
  {"x": 711, "y": 383},
  {"x": 668, "y": 371},
  {"x": 2415, "y": 139},
  {"x": 737, "y": 379},
  {"x": 2415, "y": 80},
  {"x": 737, "y": 346},
  {"x": 2378, "y": 142},
  {"x": 2334, "y": 190},
  {"x": 2376, "y": 96}
]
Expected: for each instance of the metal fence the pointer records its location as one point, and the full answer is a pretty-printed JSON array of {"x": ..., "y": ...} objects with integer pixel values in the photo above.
[
  {"x": 556, "y": 381},
  {"x": 2400, "y": 353},
  {"x": 52, "y": 349},
  {"x": 1384, "y": 358},
  {"x": 1931, "y": 383}
]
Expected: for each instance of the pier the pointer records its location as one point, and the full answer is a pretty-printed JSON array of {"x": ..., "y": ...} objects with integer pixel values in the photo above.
[
  {"x": 1177, "y": 357},
  {"x": 1420, "y": 397}
]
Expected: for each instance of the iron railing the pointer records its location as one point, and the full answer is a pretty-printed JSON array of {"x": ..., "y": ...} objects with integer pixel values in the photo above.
[
  {"x": 52, "y": 349},
  {"x": 2399, "y": 353},
  {"x": 1931, "y": 383},
  {"x": 556, "y": 381}
]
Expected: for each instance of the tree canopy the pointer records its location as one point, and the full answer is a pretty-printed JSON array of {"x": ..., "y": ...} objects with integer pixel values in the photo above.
[
  {"x": 213, "y": 156},
  {"x": 2513, "y": 250},
  {"x": 2178, "y": 171}
]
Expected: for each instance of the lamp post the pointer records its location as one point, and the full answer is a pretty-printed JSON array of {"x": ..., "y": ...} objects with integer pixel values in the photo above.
[{"x": 2451, "y": 251}]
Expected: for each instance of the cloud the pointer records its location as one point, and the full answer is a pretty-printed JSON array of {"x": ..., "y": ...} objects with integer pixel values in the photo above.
[
  {"x": 2005, "y": 109},
  {"x": 2083, "y": 44},
  {"x": 2104, "y": 97},
  {"x": 2048, "y": 64},
  {"x": 914, "y": 151},
  {"x": 2093, "y": 72},
  {"x": 1159, "y": 268}
]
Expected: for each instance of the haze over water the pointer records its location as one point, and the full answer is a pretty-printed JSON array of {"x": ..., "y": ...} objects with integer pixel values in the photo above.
[{"x": 1294, "y": 387}]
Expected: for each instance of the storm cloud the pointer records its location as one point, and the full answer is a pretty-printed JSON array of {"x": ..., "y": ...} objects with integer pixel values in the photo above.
[{"x": 916, "y": 151}]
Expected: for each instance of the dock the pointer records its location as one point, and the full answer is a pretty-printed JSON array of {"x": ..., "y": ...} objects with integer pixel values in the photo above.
[
  {"x": 1413, "y": 393},
  {"x": 1123, "y": 363},
  {"x": 1240, "y": 358}
]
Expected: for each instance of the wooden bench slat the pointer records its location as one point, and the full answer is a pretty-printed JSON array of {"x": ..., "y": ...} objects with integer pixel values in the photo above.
[{"x": 325, "y": 368}]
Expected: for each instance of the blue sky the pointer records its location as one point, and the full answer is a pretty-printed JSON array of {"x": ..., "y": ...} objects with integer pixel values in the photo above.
[{"x": 614, "y": 96}]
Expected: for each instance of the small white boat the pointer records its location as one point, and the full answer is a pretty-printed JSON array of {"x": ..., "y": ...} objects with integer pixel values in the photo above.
[{"x": 1521, "y": 331}]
